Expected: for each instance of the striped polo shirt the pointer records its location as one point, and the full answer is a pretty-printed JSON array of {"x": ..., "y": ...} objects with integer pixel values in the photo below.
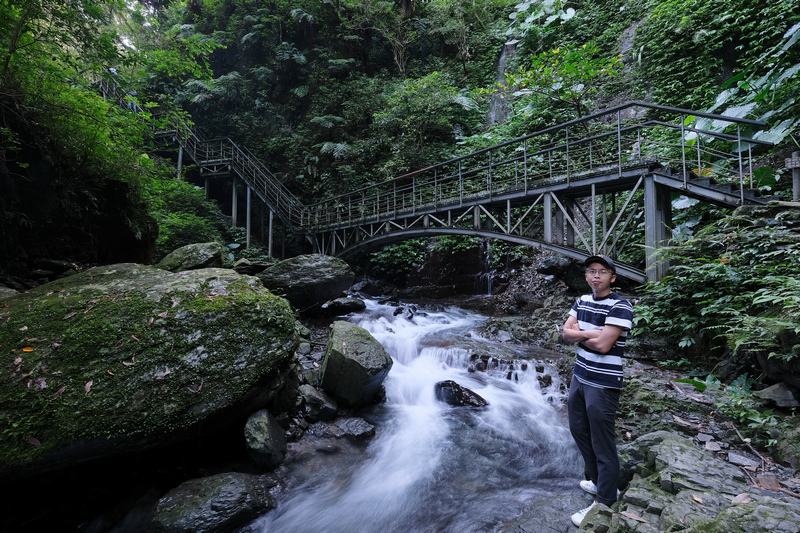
[{"x": 592, "y": 367}]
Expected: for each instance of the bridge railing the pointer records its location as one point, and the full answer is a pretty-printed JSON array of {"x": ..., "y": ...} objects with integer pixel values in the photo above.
[
  {"x": 222, "y": 152},
  {"x": 613, "y": 140}
]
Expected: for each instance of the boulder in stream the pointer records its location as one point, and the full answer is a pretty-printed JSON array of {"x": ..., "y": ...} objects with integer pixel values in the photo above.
[
  {"x": 355, "y": 365},
  {"x": 456, "y": 395}
]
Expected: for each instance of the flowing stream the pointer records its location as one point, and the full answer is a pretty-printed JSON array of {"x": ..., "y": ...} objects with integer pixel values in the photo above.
[{"x": 433, "y": 467}]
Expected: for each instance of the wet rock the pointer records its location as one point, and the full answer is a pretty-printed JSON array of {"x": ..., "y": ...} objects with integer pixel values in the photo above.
[
  {"x": 456, "y": 395},
  {"x": 369, "y": 287},
  {"x": 356, "y": 428},
  {"x": 355, "y": 365},
  {"x": 317, "y": 405},
  {"x": 308, "y": 281},
  {"x": 344, "y": 306},
  {"x": 266, "y": 443},
  {"x": 193, "y": 256},
  {"x": 224, "y": 502}
]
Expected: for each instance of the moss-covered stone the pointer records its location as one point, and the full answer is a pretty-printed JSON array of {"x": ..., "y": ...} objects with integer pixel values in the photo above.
[{"x": 127, "y": 356}]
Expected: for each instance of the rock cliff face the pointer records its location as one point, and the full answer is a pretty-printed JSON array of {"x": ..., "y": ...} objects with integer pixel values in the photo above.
[{"x": 129, "y": 357}]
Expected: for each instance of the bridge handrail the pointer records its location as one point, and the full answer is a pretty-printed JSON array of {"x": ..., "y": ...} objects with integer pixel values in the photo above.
[
  {"x": 260, "y": 179},
  {"x": 329, "y": 212}
]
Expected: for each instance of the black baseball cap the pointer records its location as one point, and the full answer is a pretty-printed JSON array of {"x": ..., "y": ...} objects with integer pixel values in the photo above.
[{"x": 603, "y": 260}]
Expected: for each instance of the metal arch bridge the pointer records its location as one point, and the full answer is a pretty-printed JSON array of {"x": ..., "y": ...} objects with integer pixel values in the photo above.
[{"x": 603, "y": 183}]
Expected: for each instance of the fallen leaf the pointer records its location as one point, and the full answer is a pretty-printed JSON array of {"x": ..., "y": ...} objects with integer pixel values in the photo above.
[
  {"x": 69, "y": 315},
  {"x": 18, "y": 360},
  {"x": 88, "y": 386},
  {"x": 24, "y": 328},
  {"x": 164, "y": 314},
  {"x": 632, "y": 516},
  {"x": 697, "y": 498},
  {"x": 110, "y": 373},
  {"x": 34, "y": 441},
  {"x": 27, "y": 349},
  {"x": 55, "y": 345},
  {"x": 134, "y": 337},
  {"x": 59, "y": 392},
  {"x": 150, "y": 321}
]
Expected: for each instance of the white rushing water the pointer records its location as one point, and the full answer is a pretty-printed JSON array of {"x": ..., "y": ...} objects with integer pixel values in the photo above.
[{"x": 432, "y": 467}]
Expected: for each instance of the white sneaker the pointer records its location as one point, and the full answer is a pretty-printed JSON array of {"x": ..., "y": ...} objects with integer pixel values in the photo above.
[
  {"x": 590, "y": 487},
  {"x": 578, "y": 517}
]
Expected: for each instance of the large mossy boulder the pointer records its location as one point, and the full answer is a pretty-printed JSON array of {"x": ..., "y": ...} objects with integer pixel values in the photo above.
[
  {"x": 308, "y": 281},
  {"x": 129, "y": 357},
  {"x": 355, "y": 365}
]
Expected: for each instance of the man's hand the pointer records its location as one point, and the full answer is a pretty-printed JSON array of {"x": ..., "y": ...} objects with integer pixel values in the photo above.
[{"x": 599, "y": 340}]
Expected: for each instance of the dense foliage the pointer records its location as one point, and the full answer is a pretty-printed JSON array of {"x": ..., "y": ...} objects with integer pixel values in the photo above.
[
  {"x": 735, "y": 281},
  {"x": 337, "y": 94}
]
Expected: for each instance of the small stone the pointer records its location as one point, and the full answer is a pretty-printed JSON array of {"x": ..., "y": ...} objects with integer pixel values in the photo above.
[
  {"x": 741, "y": 460},
  {"x": 702, "y": 437},
  {"x": 713, "y": 447}
]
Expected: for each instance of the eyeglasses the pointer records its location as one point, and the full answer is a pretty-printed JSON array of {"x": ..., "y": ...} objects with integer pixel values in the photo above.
[{"x": 592, "y": 272}]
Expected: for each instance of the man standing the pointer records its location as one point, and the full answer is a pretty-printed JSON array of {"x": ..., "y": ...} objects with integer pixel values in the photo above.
[{"x": 599, "y": 323}]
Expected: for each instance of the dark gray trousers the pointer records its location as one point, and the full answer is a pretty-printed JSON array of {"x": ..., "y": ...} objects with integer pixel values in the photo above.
[{"x": 592, "y": 413}]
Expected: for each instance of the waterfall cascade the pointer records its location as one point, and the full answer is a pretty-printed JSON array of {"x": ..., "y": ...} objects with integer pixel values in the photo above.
[{"x": 433, "y": 467}]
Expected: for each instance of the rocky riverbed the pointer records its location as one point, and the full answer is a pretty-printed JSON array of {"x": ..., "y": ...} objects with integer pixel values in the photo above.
[{"x": 693, "y": 460}]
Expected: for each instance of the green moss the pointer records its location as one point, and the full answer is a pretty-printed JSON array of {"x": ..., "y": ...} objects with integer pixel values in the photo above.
[{"x": 105, "y": 365}]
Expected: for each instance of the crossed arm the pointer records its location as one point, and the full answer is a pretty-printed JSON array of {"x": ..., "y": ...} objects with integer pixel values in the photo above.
[{"x": 600, "y": 340}]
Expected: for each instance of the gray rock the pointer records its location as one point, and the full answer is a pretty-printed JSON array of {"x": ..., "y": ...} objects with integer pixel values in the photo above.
[
  {"x": 674, "y": 486},
  {"x": 249, "y": 268},
  {"x": 318, "y": 405},
  {"x": 780, "y": 394},
  {"x": 127, "y": 357},
  {"x": 368, "y": 287},
  {"x": 6, "y": 292},
  {"x": 193, "y": 256},
  {"x": 308, "y": 281},
  {"x": 224, "y": 502},
  {"x": 344, "y": 306},
  {"x": 357, "y": 428},
  {"x": 266, "y": 442},
  {"x": 456, "y": 395},
  {"x": 739, "y": 459},
  {"x": 355, "y": 365}
]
